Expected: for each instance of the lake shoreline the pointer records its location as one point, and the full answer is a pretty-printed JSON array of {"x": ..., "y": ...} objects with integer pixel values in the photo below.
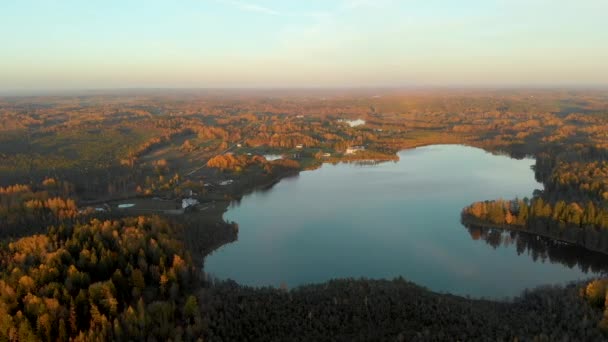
[
  {"x": 414, "y": 311},
  {"x": 447, "y": 148}
]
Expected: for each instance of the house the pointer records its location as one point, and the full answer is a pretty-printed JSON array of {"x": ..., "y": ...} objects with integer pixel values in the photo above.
[
  {"x": 188, "y": 192},
  {"x": 354, "y": 149},
  {"x": 189, "y": 202}
]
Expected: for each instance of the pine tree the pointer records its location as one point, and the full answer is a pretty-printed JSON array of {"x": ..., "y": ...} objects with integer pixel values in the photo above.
[
  {"x": 62, "y": 331},
  {"x": 73, "y": 317}
]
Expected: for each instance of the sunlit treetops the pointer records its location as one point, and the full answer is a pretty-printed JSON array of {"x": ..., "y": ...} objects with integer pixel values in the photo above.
[{"x": 113, "y": 280}]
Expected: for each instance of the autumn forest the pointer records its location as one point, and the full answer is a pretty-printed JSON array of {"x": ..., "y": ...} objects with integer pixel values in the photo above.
[{"x": 110, "y": 203}]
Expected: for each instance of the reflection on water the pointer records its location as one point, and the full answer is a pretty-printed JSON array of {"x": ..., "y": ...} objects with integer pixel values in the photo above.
[
  {"x": 542, "y": 249},
  {"x": 370, "y": 162},
  {"x": 265, "y": 190}
]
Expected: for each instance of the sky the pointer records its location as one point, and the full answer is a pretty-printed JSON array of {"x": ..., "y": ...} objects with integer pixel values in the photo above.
[{"x": 76, "y": 44}]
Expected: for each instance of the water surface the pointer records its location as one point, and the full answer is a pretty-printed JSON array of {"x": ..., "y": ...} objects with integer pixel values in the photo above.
[{"x": 396, "y": 219}]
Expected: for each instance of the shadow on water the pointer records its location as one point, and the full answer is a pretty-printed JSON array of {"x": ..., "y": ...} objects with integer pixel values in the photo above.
[
  {"x": 542, "y": 249},
  {"x": 265, "y": 189}
]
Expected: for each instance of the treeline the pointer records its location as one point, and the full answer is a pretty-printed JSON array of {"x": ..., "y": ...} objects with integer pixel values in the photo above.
[
  {"x": 397, "y": 310},
  {"x": 520, "y": 212},
  {"x": 121, "y": 280},
  {"x": 24, "y": 208},
  {"x": 281, "y": 165},
  {"x": 589, "y": 178},
  {"x": 153, "y": 143},
  {"x": 596, "y": 293},
  {"x": 238, "y": 163},
  {"x": 584, "y": 225},
  {"x": 233, "y": 162}
]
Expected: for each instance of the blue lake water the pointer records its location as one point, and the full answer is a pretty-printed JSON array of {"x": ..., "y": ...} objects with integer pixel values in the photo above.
[{"x": 396, "y": 219}]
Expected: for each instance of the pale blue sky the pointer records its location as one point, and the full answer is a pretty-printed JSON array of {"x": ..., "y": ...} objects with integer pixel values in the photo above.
[{"x": 317, "y": 43}]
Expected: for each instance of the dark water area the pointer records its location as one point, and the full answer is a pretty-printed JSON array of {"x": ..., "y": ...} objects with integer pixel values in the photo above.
[{"x": 397, "y": 219}]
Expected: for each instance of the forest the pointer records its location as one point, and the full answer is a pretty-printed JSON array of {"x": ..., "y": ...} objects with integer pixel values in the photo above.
[
  {"x": 110, "y": 280},
  {"x": 75, "y": 266}
]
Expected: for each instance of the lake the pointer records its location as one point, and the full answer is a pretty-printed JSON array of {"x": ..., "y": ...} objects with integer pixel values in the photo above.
[{"x": 397, "y": 219}]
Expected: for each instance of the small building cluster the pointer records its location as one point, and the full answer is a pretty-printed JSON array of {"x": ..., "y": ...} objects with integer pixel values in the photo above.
[
  {"x": 354, "y": 149},
  {"x": 189, "y": 202}
]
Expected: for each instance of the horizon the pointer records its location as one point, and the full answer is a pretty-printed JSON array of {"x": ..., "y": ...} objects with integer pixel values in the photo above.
[
  {"x": 117, "y": 91},
  {"x": 269, "y": 44}
]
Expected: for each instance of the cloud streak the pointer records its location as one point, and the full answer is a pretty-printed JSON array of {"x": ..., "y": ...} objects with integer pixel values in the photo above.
[
  {"x": 250, "y": 7},
  {"x": 256, "y": 8},
  {"x": 359, "y": 4}
]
